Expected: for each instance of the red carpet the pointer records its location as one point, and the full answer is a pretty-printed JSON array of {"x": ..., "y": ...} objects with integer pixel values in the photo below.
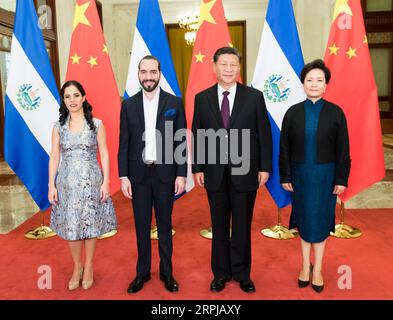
[{"x": 274, "y": 270}]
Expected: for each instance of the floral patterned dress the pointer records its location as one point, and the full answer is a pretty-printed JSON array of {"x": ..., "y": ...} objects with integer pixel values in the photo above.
[{"x": 80, "y": 214}]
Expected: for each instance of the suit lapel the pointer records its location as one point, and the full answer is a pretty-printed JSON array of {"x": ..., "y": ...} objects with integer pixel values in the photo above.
[
  {"x": 239, "y": 97},
  {"x": 215, "y": 108},
  {"x": 161, "y": 104},
  {"x": 141, "y": 114}
]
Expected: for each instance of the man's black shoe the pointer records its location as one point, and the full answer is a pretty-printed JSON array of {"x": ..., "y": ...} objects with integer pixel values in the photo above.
[
  {"x": 170, "y": 283},
  {"x": 247, "y": 286},
  {"x": 137, "y": 284},
  {"x": 218, "y": 284}
]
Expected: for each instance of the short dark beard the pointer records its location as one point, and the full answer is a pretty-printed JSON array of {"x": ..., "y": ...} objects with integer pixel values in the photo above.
[{"x": 147, "y": 89}]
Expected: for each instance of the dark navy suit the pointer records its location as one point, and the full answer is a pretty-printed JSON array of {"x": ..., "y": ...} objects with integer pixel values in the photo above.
[{"x": 152, "y": 185}]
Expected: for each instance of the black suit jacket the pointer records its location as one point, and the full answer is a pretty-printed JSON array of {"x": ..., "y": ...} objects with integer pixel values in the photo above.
[
  {"x": 249, "y": 112},
  {"x": 332, "y": 140},
  {"x": 132, "y": 127}
]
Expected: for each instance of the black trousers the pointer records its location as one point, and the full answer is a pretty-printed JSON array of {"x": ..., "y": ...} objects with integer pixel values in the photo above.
[
  {"x": 153, "y": 193},
  {"x": 231, "y": 254}
]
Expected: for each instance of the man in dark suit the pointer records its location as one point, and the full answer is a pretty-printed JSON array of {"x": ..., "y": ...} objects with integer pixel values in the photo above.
[
  {"x": 148, "y": 175},
  {"x": 239, "y": 112}
]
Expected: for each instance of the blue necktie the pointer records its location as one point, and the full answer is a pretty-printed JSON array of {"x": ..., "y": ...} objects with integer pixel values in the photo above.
[{"x": 225, "y": 109}]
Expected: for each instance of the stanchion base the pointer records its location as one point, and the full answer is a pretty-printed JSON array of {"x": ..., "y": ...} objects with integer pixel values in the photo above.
[
  {"x": 107, "y": 235},
  {"x": 206, "y": 233},
  {"x": 40, "y": 233},
  {"x": 279, "y": 232},
  {"x": 344, "y": 231},
  {"x": 154, "y": 233}
]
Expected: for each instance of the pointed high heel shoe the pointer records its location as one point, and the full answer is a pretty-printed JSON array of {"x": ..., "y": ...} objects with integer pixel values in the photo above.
[
  {"x": 317, "y": 288},
  {"x": 72, "y": 284},
  {"x": 87, "y": 284},
  {"x": 302, "y": 283}
]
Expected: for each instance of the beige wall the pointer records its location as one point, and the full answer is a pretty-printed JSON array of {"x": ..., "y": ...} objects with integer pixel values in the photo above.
[
  {"x": 313, "y": 21},
  {"x": 64, "y": 17}
]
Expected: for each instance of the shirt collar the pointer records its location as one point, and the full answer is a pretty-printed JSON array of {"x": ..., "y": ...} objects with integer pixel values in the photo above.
[{"x": 232, "y": 90}]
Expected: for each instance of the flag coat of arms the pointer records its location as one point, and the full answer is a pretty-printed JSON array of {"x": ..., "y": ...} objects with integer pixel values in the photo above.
[
  {"x": 277, "y": 75},
  {"x": 31, "y": 105}
]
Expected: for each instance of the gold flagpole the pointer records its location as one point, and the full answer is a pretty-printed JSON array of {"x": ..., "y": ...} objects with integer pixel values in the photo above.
[
  {"x": 278, "y": 231},
  {"x": 41, "y": 232},
  {"x": 345, "y": 231}
]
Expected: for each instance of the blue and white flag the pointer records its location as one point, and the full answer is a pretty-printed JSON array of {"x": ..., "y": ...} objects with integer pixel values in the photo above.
[
  {"x": 150, "y": 39},
  {"x": 31, "y": 105},
  {"x": 277, "y": 75}
]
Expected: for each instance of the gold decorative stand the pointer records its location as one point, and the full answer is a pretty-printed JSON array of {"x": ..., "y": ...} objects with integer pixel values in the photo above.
[
  {"x": 278, "y": 231},
  {"x": 207, "y": 233},
  {"x": 107, "y": 235},
  {"x": 154, "y": 233},
  {"x": 41, "y": 232},
  {"x": 344, "y": 231}
]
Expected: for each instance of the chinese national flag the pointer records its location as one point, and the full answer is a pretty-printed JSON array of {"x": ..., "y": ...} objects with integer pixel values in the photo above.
[
  {"x": 353, "y": 88},
  {"x": 90, "y": 65},
  {"x": 213, "y": 33}
]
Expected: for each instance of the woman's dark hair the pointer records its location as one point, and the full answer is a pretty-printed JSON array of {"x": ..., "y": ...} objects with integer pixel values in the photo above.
[
  {"x": 87, "y": 108},
  {"x": 316, "y": 64}
]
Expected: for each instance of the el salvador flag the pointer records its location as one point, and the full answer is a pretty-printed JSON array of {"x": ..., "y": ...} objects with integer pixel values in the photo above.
[
  {"x": 277, "y": 75},
  {"x": 150, "y": 39},
  {"x": 31, "y": 105}
]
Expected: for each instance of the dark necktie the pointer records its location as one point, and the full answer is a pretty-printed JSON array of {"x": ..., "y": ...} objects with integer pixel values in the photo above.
[{"x": 225, "y": 109}]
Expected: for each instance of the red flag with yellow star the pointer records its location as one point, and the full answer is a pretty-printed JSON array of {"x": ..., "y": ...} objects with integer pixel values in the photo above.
[
  {"x": 89, "y": 64},
  {"x": 353, "y": 88},
  {"x": 212, "y": 34}
]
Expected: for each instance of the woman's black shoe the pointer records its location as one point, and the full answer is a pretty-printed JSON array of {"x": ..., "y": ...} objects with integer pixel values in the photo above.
[
  {"x": 316, "y": 288},
  {"x": 303, "y": 284}
]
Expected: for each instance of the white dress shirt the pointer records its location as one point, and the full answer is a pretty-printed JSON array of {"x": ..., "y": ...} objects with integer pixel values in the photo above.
[
  {"x": 231, "y": 96},
  {"x": 150, "y": 108}
]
